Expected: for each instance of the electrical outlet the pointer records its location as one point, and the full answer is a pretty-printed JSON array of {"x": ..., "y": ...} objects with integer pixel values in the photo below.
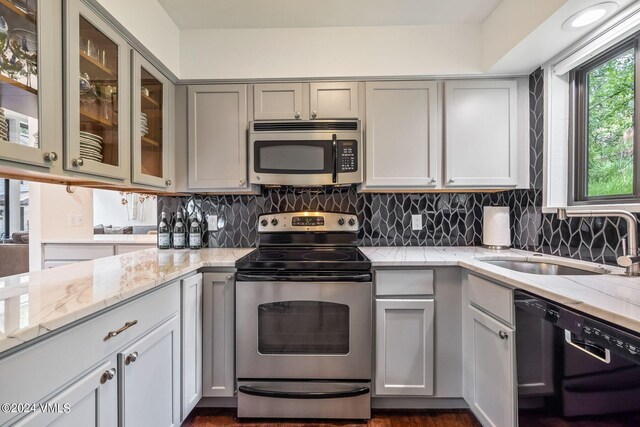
[
  {"x": 79, "y": 220},
  {"x": 416, "y": 222},
  {"x": 212, "y": 222},
  {"x": 72, "y": 220}
]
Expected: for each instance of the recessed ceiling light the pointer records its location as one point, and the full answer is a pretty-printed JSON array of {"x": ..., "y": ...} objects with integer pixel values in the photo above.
[{"x": 589, "y": 16}]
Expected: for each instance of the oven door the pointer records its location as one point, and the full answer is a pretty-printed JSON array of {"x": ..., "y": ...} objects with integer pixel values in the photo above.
[
  {"x": 304, "y": 159},
  {"x": 303, "y": 330}
]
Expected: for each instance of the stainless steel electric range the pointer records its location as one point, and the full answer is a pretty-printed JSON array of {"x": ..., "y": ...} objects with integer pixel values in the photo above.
[{"x": 303, "y": 319}]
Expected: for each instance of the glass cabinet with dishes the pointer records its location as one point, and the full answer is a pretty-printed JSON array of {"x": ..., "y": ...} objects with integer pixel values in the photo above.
[
  {"x": 152, "y": 95},
  {"x": 98, "y": 103},
  {"x": 24, "y": 95}
]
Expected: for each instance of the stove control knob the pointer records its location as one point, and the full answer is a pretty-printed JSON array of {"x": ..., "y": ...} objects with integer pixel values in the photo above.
[
  {"x": 341, "y": 221},
  {"x": 264, "y": 222},
  {"x": 352, "y": 222},
  {"x": 274, "y": 222}
]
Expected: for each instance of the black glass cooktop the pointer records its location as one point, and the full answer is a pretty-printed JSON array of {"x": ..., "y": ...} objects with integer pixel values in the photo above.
[{"x": 304, "y": 258}]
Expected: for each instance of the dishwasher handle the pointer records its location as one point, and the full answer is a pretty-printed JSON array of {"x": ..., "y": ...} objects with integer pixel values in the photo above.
[{"x": 593, "y": 350}]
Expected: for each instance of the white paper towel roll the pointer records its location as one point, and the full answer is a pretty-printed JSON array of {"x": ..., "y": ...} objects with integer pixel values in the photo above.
[{"x": 496, "y": 226}]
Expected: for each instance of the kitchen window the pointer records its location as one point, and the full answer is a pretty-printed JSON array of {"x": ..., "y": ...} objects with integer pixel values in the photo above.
[{"x": 604, "y": 127}]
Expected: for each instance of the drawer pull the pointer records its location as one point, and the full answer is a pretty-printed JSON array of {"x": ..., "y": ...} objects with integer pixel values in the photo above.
[
  {"x": 108, "y": 375},
  {"x": 503, "y": 335},
  {"x": 126, "y": 326}
]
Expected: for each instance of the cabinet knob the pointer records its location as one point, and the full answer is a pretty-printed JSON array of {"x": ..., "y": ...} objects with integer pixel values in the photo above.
[
  {"x": 108, "y": 375},
  {"x": 451, "y": 181},
  {"x": 77, "y": 162},
  {"x": 297, "y": 115},
  {"x": 503, "y": 335},
  {"x": 433, "y": 180},
  {"x": 314, "y": 114},
  {"x": 131, "y": 358},
  {"x": 51, "y": 157},
  {"x": 168, "y": 182},
  {"x": 230, "y": 277},
  {"x": 242, "y": 182}
]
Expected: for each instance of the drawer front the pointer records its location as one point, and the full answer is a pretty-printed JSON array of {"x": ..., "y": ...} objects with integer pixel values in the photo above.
[
  {"x": 77, "y": 252},
  {"x": 40, "y": 370},
  {"x": 125, "y": 249},
  {"x": 404, "y": 282},
  {"x": 495, "y": 299}
]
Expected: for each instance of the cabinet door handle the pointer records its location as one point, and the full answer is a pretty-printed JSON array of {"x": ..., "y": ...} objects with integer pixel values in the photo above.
[
  {"x": 77, "y": 162},
  {"x": 168, "y": 182},
  {"x": 131, "y": 358},
  {"x": 50, "y": 157},
  {"x": 230, "y": 277},
  {"x": 297, "y": 115},
  {"x": 503, "y": 335},
  {"x": 108, "y": 375},
  {"x": 451, "y": 181},
  {"x": 314, "y": 114},
  {"x": 433, "y": 180},
  {"x": 126, "y": 326}
]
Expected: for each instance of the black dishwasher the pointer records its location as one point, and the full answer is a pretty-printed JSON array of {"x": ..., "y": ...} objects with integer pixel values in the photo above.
[{"x": 574, "y": 369}]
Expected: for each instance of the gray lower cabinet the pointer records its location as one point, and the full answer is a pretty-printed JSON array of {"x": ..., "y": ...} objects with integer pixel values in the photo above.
[
  {"x": 191, "y": 336},
  {"x": 218, "y": 330},
  {"x": 404, "y": 347},
  {"x": 217, "y": 134},
  {"x": 91, "y": 400},
  {"x": 489, "y": 375},
  {"x": 150, "y": 378}
]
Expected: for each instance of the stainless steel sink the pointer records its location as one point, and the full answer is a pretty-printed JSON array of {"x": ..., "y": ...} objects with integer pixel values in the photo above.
[{"x": 546, "y": 268}]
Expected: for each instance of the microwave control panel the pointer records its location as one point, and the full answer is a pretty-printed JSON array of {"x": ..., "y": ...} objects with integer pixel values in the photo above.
[{"x": 347, "y": 156}]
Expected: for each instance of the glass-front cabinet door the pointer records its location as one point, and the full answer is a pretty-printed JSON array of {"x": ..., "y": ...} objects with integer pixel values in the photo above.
[
  {"x": 150, "y": 136},
  {"x": 27, "y": 78},
  {"x": 98, "y": 103}
]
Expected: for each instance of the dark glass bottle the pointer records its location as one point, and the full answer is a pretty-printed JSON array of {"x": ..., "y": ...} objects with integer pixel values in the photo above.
[
  {"x": 179, "y": 233},
  {"x": 164, "y": 233},
  {"x": 195, "y": 233}
]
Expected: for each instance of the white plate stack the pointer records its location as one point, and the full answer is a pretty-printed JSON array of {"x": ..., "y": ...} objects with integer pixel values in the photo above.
[
  {"x": 4, "y": 129},
  {"x": 90, "y": 146},
  {"x": 144, "y": 126}
]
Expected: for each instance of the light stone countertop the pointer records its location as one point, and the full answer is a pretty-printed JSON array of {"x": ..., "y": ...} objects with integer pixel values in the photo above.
[
  {"x": 40, "y": 302},
  {"x": 37, "y": 303},
  {"x": 108, "y": 239},
  {"x": 613, "y": 297}
]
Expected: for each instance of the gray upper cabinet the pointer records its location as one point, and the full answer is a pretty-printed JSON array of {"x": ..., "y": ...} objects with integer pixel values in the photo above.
[
  {"x": 30, "y": 105},
  {"x": 402, "y": 135},
  {"x": 305, "y": 101},
  {"x": 481, "y": 133},
  {"x": 151, "y": 125},
  {"x": 278, "y": 101},
  {"x": 98, "y": 77},
  {"x": 333, "y": 100},
  {"x": 217, "y": 155}
]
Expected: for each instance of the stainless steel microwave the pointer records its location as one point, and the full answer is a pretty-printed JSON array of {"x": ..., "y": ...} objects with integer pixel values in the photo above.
[{"x": 305, "y": 153}]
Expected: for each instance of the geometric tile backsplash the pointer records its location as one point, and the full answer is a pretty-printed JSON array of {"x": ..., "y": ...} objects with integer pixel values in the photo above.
[{"x": 449, "y": 219}]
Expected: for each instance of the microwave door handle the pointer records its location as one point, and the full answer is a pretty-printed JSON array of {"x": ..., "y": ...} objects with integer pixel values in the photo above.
[{"x": 334, "y": 158}]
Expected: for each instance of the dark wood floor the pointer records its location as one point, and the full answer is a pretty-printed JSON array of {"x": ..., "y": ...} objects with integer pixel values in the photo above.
[{"x": 406, "y": 418}]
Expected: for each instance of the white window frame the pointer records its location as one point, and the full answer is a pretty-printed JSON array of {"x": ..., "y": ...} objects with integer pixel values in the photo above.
[{"x": 557, "y": 102}]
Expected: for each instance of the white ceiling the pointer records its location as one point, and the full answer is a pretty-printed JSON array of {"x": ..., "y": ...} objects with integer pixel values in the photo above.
[{"x": 210, "y": 14}]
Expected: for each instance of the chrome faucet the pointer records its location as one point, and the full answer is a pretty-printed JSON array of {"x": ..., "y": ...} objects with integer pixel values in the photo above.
[{"x": 630, "y": 260}]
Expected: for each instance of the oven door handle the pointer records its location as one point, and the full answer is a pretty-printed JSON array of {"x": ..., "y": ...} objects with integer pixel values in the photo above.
[
  {"x": 244, "y": 277},
  {"x": 254, "y": 391},
  {"x": 334, "y": 158}
]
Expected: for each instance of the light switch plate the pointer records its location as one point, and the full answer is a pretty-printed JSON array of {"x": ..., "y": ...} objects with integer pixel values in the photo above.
[
  {"x": 212, "y": 222},
  {"x": 416, "y": 222}
]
